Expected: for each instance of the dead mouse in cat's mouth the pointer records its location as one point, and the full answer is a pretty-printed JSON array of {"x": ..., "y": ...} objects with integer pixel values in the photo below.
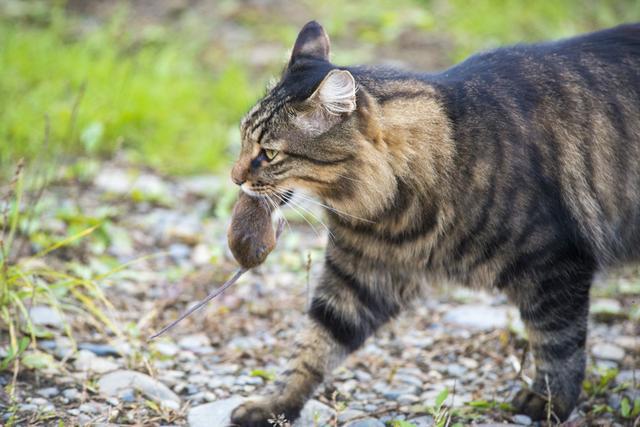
[
  {"x": 251, "y": 235},
  {"x": 251, "y": 239}
]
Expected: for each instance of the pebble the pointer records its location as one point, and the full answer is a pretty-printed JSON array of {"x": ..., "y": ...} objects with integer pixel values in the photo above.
[
  {"x": 521, "y": 419},
  {"x": 88, "y": 361},
  {"x": 608, "y": 351},
  {"x": 99, "y": 349},
  {"x": 213, "y": 414},
  {"x": 628, "y": 376},
  {"x": 481, "y": 317},
  {"x": 48, "y": 392},
  {"x": 424, "y": 421},
  {"x": 456, "y": 370},
  {"x": 71, "y": 394},
  {"x": 114, "y": 383},
  {"x": 629, "y": 343},
  {"x": 365, "y": 422},
  {"x": 196, "y": 343},
  {"x": 607, "y": 310},
  {"x": 43, "y": 315},
  {"x": 166, "y": 348},
  {"x": 217, "y": 413},
  {"x": 348, "y": 414}
]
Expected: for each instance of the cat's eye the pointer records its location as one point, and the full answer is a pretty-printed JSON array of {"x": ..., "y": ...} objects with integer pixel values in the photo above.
[{"x": 271, "y": 154}]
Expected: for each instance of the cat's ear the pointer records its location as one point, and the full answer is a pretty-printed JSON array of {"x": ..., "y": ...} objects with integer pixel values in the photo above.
[
  {"x": 312, "y": 42},
  {"x": 334, "y": 97},
  {"x": 336, "y": 93}
]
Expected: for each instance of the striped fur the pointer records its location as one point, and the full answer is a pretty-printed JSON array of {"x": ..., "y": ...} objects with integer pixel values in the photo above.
[{"x": 516, "y": 169}]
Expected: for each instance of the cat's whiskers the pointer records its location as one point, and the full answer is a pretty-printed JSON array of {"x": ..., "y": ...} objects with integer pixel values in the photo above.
[
  {"x": 296, "y": 207},
  {"x": 331, "y": 208}
]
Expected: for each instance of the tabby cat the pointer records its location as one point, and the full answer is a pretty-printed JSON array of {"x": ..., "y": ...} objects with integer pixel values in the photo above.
[{"x": 515, "y": 170}]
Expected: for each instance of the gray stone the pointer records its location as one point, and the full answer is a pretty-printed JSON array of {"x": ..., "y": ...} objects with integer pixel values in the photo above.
[
  {"x": 114, "y": 383},
  {"x": 521, "y": 419},
  {"x": 218, "y": 413},
  {"x": 607, "y": 310},
  {"x": 481, "y": 317},
  {"x": 99, "y": 349},
  {"x": 214, "y": 413},
  {"x": 71, "y": 394},
  {"x": 166, "y": 348},
  {"x": 48, "y": 392},
  {"x": 197, "y": 343},
  {"x": 628, "y": 377},
  {"x": 456, "y": 370},
  {"x": 43, "y": 315},
  {"x": 87, "y": 361},
  {"x": 407, "y": 399},
  {"x": 608, "y": 351},
  {"x": 365, "y": 422},
  {"x": 424, "y": 421},
  {"x": 349, "y": 414},
  {"x": 314, "y": 413}
]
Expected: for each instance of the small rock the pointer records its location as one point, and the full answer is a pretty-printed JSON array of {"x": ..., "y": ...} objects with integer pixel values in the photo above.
[
  {"x": 71, "y": 394},
  {"x": 195, "y": 343},
  {"x": 166, "y": 348},
  {"x": 48, "y": 392},
  {"x": 99, "y": 349},
  {"x": 214, "y": 413},
  {"x": 456, "y": 370},
  {"x": 608, "y": 351},
  {"x": 27, "y": 407},
  {"x": 349, "y": 414},
  {"x": 481, "y": 317},
  {"x": 628, "y": 343},
  {"x": 607, "y": 310},
  {"x": 365, "y": 422},
  {"x": 201, "y": 254},
  {"x": 45, "y": 316},
  {"x": 407, "y": 399},
  {"x": 218, "y": 413},
  {"x": 628, "y": 377},
  {"x": 87, "y": 361},
  {"x": 424, "y": 421},
  {"x": 314, "y": 413},
  {"x": 114, "y": 383},
  {"x": 521, "y": 419}
]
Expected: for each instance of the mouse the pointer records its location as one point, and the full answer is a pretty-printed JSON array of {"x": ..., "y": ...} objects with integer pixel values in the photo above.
[{"x": 251, "y": 234}]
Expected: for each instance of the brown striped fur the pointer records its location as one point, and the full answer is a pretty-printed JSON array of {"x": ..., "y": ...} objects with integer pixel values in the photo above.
[{"x": 516, "y": 170}]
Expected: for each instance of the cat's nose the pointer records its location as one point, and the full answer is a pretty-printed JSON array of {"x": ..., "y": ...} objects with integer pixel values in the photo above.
[{"x": 239, "y": 173}]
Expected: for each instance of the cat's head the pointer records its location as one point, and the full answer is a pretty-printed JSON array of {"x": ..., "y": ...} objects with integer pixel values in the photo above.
[{"x": 306, "y": 132}]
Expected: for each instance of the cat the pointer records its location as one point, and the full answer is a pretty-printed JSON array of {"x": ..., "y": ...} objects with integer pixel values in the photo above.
[{"x": 515, "y": 170}]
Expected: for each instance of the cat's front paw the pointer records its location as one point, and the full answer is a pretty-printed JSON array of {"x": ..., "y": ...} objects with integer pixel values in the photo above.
[
  {"x": 262, "y": 413},
  {"x": 536, "y": 406}
]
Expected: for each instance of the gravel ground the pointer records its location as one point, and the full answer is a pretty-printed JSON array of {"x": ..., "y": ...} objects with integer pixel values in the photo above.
[{"x": 167, "y": 234}]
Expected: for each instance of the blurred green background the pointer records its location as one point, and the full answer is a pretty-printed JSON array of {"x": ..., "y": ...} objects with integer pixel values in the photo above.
[{"x": 164, "y": 83}]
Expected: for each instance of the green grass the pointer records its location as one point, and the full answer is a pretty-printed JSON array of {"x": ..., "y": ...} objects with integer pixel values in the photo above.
[
  {"x": 104, "y": 90},
  {"x": 168, "y": 98},
  {"x": 485, "y": 24}
]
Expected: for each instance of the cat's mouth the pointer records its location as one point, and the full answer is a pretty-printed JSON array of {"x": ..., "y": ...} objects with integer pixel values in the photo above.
[{"x": 260, "y": 190}]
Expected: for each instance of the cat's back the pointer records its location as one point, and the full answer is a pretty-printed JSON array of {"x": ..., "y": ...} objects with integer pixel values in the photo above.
[
  {"x": 562, "y": 120},
  {"x": 590, "y": 57}
]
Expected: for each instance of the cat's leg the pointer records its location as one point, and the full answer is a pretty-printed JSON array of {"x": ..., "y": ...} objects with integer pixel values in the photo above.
[
  {"x": 555, "y": 313},
  {"x": 344, "y": 312}
]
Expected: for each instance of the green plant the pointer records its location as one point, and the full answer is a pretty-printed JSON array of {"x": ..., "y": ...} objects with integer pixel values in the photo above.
[
  {"x": 25, "y": 280},
  {"x": 107, "y": 90}
]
